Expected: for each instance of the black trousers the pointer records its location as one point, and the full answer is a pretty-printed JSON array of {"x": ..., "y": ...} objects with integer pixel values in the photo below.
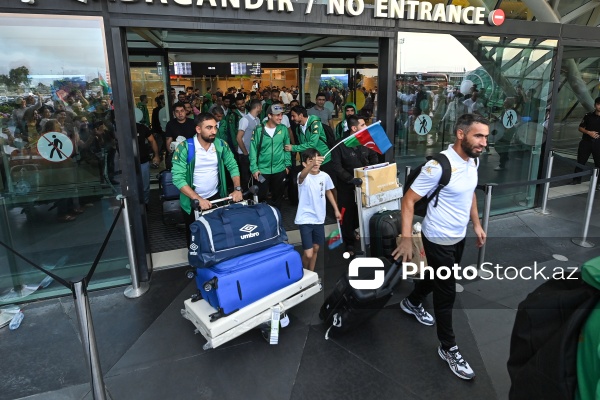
[
  {"x": 444, "y": 290},
  {"x": 274, "y": 183},
  {"x": 190, "y": 218},
  {"x": 586, "y": 148},
  {"x": 244, "y": 164},
  {"x": 347, "y": 200}
]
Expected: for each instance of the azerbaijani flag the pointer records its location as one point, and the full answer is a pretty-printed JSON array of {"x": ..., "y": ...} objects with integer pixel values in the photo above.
[
  {"x": 335, "y": 238},
  {"x": 105, "y": 87},
  {"x": 372, "y": 137}
]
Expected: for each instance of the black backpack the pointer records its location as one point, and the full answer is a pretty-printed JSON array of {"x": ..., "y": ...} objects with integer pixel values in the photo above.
[
  {"x": 329, "y": 135},
  {"x": 421, "y": 205}
]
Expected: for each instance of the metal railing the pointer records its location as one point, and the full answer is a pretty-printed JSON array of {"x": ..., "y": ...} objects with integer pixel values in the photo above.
[
  {"x": 592, "y": 172},
  {"x": 82, "y": 306}
]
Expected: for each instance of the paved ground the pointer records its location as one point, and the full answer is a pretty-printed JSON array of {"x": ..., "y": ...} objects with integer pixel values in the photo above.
[{"x": 149, "y": 351}]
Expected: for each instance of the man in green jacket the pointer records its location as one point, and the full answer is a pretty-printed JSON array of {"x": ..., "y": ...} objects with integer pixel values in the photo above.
[
  {"x": 267, "y": 156},
  {"x": 311, "y": 135},
  {"x": 233, "y": 120},
  {"x": 342, "y": 126},
  {"x": 268, "y": 101},
  {"x": 588, "y": 350},
  {"x": 203, "y": 177}
]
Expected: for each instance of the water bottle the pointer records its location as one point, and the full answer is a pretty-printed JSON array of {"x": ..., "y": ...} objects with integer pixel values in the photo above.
[{"x": 16, "y": 321}]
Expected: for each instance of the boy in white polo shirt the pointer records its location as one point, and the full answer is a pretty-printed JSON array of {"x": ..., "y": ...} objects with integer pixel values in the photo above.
[
  {"x": 444, "y": 229},
  {"x": 313, "y": 186}
]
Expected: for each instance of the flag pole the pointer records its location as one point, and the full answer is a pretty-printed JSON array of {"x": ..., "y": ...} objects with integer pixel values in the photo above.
[{"x": 351, "y": 136}]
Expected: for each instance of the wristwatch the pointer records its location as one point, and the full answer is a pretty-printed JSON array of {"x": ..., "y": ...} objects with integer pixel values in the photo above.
[{"x": 238, "y": 188}]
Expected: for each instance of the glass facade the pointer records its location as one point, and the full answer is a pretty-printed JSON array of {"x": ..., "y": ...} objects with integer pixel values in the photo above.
[
  {"x": 570, "y": 104},
  {"x": 59, "y": 158},
  {"x": 507, "y": 80}
]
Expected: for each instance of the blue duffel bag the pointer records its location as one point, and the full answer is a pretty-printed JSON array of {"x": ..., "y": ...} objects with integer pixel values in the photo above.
[{"x": 231, "y": 231}]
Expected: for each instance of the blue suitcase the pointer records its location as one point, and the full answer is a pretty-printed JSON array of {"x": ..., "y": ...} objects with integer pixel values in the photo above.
[
  {"x": 235, "y": 283},
  {"x": 232, "y": 231},
  {"x": 168, "y": 191}
]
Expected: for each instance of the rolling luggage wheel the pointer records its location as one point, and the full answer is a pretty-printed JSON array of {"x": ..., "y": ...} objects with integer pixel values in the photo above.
[
  {"x": 210, "y": 285},
  {"x": 190, "y": 273}
]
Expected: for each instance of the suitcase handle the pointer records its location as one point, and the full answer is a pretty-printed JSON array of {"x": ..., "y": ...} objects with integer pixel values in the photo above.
[{"x": 390, "y": 281}]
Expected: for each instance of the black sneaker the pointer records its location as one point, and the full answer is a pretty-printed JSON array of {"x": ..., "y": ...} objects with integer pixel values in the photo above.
[
  {"x": 418, "y": 311},
  {"x": 457, "y": 363}
]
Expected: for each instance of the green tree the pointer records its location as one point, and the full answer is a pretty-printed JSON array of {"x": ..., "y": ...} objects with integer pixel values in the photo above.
[{"x": 16, "y": 77}]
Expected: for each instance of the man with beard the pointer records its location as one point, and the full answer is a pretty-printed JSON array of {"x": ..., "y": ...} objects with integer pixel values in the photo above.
[
  {"x": 344, "y": 160},
  {"x": 444, "y": 229},
  {"x": 203, "y": 177},
  {"x": 342, "y": 126}
]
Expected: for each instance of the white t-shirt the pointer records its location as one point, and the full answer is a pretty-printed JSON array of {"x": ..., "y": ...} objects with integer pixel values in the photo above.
[
  {"x": 447, "y": 223},
  {"x": 311, "y": 195},
  {"x": 270, "y": 131},
  {"x": 206, "y": 170}
]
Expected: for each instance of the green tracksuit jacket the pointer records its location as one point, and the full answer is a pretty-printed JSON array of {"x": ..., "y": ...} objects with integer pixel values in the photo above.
[{"x": 273, "y": 158}]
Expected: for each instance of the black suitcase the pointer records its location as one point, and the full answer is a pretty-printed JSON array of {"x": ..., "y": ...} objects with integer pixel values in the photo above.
[
  {"x": 347, "y": 308},
  {"x": 172, "y": 213},
  {"x": 384, "y": 228}
]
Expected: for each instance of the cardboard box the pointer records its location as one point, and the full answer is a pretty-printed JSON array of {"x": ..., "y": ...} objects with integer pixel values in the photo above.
[{"x": 377, "y": 179}]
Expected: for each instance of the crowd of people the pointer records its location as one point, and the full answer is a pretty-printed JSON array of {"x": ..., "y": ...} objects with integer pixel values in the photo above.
[{"x": 245, "y": 139}]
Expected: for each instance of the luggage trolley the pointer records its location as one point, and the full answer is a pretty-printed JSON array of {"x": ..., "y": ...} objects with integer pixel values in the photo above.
[
  {"x": 383, "y": 201},
  {"x": 222, "y": 330}
]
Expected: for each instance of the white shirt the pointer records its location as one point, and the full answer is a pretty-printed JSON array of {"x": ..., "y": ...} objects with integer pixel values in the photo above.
[
  {"x": 311, "y": 195},
  {"x": 447, "y": 223},
  {"x": 206, "y": 170},
  {"x": 270, "y": 131},
  {"x": 471, "y": 105},
  {"x": 286, "y": 98}
]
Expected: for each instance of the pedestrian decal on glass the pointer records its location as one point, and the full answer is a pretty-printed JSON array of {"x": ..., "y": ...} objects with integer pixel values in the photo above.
[
  {"x": 423, "y": 124},
  {"x": 509, "y": 119},
  {"x": 55, "y": 146}
]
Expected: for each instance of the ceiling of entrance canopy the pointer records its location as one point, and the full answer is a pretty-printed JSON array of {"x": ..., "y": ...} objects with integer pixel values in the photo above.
[{"x": 198, "y": 46}]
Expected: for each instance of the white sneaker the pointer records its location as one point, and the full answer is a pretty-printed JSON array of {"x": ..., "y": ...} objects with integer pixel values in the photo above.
[
  {"x": 418, "y": 311},
  {"x": 457, "y": 363}
]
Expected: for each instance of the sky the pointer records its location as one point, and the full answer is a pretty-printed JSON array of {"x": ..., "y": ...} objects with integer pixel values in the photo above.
[
  {"x": 51, "y": 46},
  {"x": 428, "y": 52}
]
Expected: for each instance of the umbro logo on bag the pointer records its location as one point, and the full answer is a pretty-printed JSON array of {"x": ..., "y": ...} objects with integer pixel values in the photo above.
[
  {"x": 193, "y": 248},
  {"x": 249, "y": 229}
]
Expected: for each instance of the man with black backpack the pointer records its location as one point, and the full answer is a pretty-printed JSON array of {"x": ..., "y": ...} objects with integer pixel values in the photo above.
[{"x": 448, "y": 211}]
